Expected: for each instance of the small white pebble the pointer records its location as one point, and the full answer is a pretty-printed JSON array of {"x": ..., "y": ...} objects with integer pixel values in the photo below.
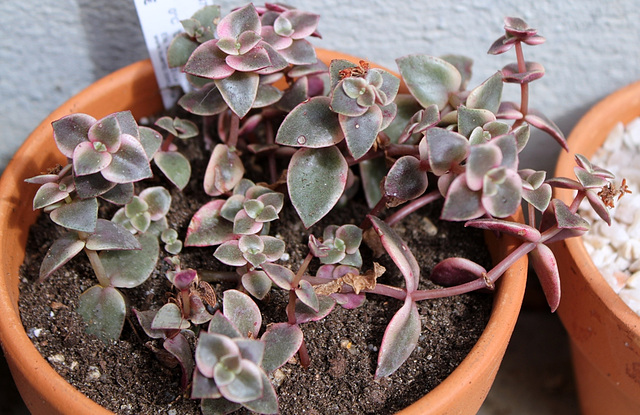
[
  {"x": 56, "y": 358},
  {"x": 172, "y": 412},
  {"x": 73, "y": 365},
  {"x": 35, "y": 332},
  {"x": 93, "y": 373},
  {"x": 630, "y": 250},
  {"x": 285, "y": 257}
]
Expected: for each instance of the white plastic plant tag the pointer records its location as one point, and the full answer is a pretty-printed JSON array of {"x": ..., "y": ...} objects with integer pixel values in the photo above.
[{"x": 160, "y": 22}]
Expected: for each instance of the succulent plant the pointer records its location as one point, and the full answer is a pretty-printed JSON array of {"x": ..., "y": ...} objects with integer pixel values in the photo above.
[{"x": 337, "y": 129}]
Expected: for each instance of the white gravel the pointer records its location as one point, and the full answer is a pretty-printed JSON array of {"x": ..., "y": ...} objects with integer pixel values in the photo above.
[{"x": 615, "y": 250}]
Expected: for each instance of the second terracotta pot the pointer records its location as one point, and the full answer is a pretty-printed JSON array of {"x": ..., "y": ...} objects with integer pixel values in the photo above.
[{"x": 604, "y": 332}]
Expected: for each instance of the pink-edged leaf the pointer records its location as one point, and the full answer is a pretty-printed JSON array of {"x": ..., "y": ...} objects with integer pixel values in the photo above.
[
  {"x": 204, "y": 101},
  {"x": 257, "y": 283},
  {"x": 70, "y": 131},
  {"x": 50, "y": 193},
  {"x": 307, "y": 295},
  {"x": 500, "y": 46},
  {"x": 502, "y": 192},
  {"x": 183, "y": 279},
  {"x": 564, "y": 183},
  {"x": 400, "y": 338},
  {"x": 80, "y": 215},
  {"x": 278, "y": 63},
  {"x": 239, "y": 91},
  {"x": 446, "y": 149},
  {"x": 243, "y": 224},
  {"x": 349, "y": 301},
  {"x": 61, "y": 251},
  {"x": 399, "y": 253},
  {"x": 538, "y": 198},
  {"x": 567, "y": 219},
  {"x": 207, "y": 227},
  {"x": 208, "y": 61},
  {"x": 456, "y": 271},
  {"x": 301, "y": 52},
  {"x": 546, "y": 267},
  {"x": 144, "y": 319},
  {"x": 222, "y": 325},
  {"x": 255, "y": 59},
  {"x": 129, "y": 163},
  {"x": 303, "y": 23},
  {"x": 240, "y": 309},
  {"x": 211, "y": 348},
  {"x": 179, "y": 347},
  {"x": 509, "y": 111},
  {"x": 461, "y": 203},
  {"x": 282, "y": 341},
  {"x": 405, "y": 180},
  {"x": 278, "y": 42},
  {"x": 539, "y": 120},
  {"x": 599, "y": 207},
  {"x": 519, "y": 230},
  {"x": 169, "y": 317},
  {"x": 344, "y": 104},
  {"x": 224, "y": 171},
  {"x": 361, "y": 132},
  {"x": 281, "y": 276},
  {"x": 107, "y": 132},
  {"x": 311, "y": 124},
  {"x": 316, "y": 179},
  {"x": 103, "y": 309},
  {"x": 239, "y": 21},
  {"x": 88, "y": 160},
  {"x": 482, "y": 158},
  {"x": 511, "y": 74},
  {"x": 304, "y": 313}
]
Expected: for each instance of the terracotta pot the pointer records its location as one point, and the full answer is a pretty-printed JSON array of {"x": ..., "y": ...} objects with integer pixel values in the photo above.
[
  {"x": 604, "y": 332},
  {"x": 135, "y": 88}
]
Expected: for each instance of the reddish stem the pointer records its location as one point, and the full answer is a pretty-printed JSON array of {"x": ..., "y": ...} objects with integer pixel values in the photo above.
[
  {"x": 412, "y": 206},
  {"x": 524, "y": 87},
  {"x": 366, "y": 223},
  {"x": 167, "y": 142},
  {"x": 232, "y": 139},
  {"x": 273, "y": 172}
]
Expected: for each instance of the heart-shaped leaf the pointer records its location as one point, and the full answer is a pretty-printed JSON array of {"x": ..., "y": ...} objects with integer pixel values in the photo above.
[
  {"x": 175, "y": 166},
  {"x": 239, "y": 91},
  {"x": 282, "y": 341},
  {"x": 429, "y": 79},
  {"x": 240, "y": 309},
  {"x": 361, "y": 131},
  {"x": 207, "y": 227},
  {"x": 310, "y": 124},
  {"x": 140, "y": 263},
  {"x": 103, "y": 310}
]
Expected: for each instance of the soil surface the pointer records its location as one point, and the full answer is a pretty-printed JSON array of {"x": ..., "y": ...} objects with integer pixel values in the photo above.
[{"x": 127, "y": 378}]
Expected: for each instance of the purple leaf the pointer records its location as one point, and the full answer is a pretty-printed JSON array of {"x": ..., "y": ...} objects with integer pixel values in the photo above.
[
  {"x": 301, "y": 52},
  {"x": 222, "y": 325},
  {"x": 446, "y": 149},
  {"x": 239, "y": 91},
  {"x": 399, "y": 253},
  {"x": 510, "y": 73},
  {"x": 208, "y": 61},
  {"x": 405, "y": 180},
  {"x": 546, "y": 267},
  {"x": 519, "y": 230},
  {"x": 400, "y": 338},
  {"x": 239, "y": 21},
  {"x": 88, "y": 160},
  {"x": 145, "y": 318},
  {"x": 179, "y": 347},
  {"x": 129, "y": 163},
  {"x": 111, "y": 236},
  {"x": 599, "y": 207},
  {"x": 540, "y": 121},
  {"x": 509, "y": 111},
  {"x": 456, "y": 271},
  {"x": 461, "y": 203}
]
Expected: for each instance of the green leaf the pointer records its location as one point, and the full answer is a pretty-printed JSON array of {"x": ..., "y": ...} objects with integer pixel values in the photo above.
[
  {"x": 80, "y": 215},
  {"x": 268, "y": 402},
  {"x": 204, "y": 101},
  {"x": 281, "y": 276},
  {"x": 487, "y": 95},
  {"x": 469, "y": 119},
  {"x": 310, "y": 124},
  {"x": 219, "y": 406},
  {"x": 257, "y": 283},
  {"x": 429, "y": 79},
  {"x": 103, "y": 310},
  {"x": 169, "y": 317},
  {"x": 110, "y": 235},
  {"x": 316, "y": 179},
  {"x": 158, "y": 200},
  {"x": 304, "y": 313},
  {"x": 129, "y": 163},
  {"x": 239, "y": 91},
  {"x": 307, "y": 295},
  {"x": 140, "y": 263},
  {"x": 180, "y": 49},
  {"x": 361, "y": 131}
]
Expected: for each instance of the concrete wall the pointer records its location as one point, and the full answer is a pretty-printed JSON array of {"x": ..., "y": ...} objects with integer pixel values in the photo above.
[{"x": 51, "y": 49}]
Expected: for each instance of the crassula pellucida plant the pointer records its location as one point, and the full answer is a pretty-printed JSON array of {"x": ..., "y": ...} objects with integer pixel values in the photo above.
[{"x": 263, "y": 96}]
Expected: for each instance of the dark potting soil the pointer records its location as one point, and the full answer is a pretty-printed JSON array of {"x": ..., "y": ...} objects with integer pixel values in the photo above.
[{"x": 126, "y": 377}]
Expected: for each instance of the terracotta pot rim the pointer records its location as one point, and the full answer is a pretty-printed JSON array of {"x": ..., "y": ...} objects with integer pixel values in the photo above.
[
  {"x": 597, "y": 119},
  {"x": 507, "y": 300}
]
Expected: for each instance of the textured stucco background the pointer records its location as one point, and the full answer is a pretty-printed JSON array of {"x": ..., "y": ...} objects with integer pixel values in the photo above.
[{"x": 51, "y": 49}]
